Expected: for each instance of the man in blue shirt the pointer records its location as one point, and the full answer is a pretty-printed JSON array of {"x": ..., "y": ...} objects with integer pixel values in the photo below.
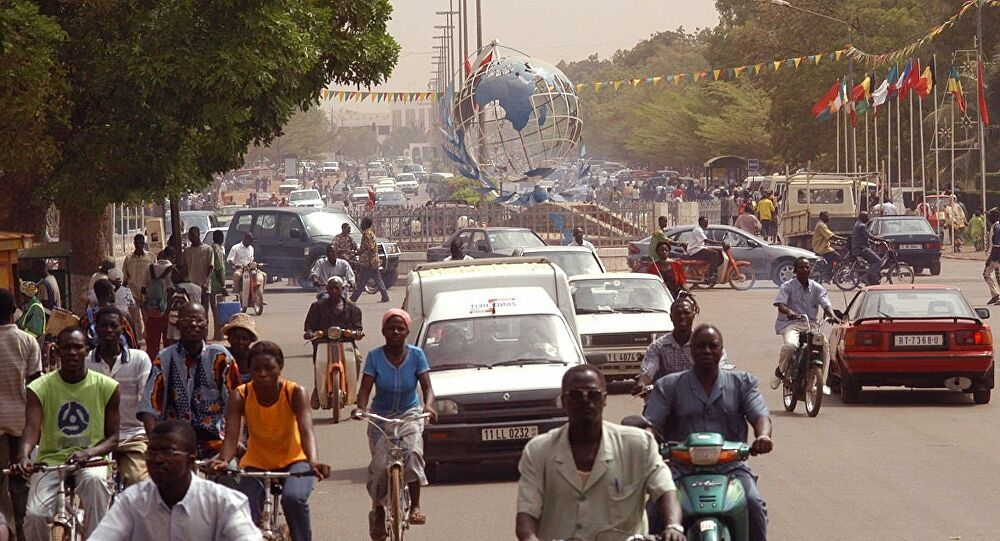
[
  {"x": 705, "y": 399},
  {"x": 861, "y": 238},
  {"x": 799, "y": 298}
]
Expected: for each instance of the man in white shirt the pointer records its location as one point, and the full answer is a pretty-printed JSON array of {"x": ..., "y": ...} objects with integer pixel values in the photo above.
[
  {"x": 240, "y": 254},
  {"x": 174, "y": 504},
  {"x": 579, "y": 241},
  {"x": 457, "y": 251},
  {"x": 130, "y": 368},
  {"x": 328, "y": 267},
  {"x": 697, "y": 247}
]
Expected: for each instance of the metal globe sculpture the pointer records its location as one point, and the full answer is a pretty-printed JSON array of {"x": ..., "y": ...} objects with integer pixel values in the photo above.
[{"x": 513, "y": 117}]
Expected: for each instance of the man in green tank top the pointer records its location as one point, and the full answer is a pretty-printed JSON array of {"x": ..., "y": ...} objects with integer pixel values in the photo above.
[{"x": 72, "y": 415}]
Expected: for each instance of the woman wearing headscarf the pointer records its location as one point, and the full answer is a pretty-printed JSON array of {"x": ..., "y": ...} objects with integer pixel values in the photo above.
[
  {"x": 32, "y": 320},
  {"x": 395, "y": 370}
]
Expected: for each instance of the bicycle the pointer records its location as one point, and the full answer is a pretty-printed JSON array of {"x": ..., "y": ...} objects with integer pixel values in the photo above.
[
  {"x": 272, "y": 523},
  {"x": 69, "y": 518},
  {"x": 804, "y": 378},
  {"x": 397, "y": 512},
  {"x": 852, "y": 275}
]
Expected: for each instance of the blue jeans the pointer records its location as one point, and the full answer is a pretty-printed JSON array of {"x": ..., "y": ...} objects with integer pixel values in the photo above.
[
  {"x": 365, "y": 274},
  {"x": 875, "y": 264},
  {"x": 294, "y": 500}
]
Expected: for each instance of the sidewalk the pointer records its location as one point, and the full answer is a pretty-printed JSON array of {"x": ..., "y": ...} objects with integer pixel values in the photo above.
[{"x": 968, "y": 253}]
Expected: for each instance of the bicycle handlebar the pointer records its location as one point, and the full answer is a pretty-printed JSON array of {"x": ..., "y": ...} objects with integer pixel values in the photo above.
[
  {"x": 43, "y": 468},
  {"x": 266, "y": 474}
]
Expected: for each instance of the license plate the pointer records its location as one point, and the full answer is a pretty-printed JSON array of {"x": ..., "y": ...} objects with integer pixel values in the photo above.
[
  {"x": 911, "y": 246},
  {"x": 510, "y": 433},
  {"x": 918, "y": 340},
  {"x": 630, "y": 357}
]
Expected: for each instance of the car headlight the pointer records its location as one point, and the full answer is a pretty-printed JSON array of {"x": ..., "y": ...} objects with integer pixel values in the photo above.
[
  {"x": 446, "y": 406},
  {"x": 586, "y": 340}
]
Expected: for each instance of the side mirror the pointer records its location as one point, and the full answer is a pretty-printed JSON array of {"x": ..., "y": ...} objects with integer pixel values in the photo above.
[
  {"x": 983, "y": 313},
  {"x": 839, "y": 314},
  {"x": 295, "y": 234}
]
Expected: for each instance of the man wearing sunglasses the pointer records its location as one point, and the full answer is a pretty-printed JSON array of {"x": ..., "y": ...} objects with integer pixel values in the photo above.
[
  {"x": 589, "y": 476},
  {"x": 174, "y": 503},
  {"x": 706, "y": 399}
]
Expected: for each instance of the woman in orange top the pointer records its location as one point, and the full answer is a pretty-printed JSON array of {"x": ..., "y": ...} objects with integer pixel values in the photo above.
[{"x": 281, "y": 437}]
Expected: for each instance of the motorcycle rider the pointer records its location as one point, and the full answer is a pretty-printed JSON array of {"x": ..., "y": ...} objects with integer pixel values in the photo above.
[
  {"x": 328, "y": 267},
  {"x": 706, "y": 399},
  {"x": 861, "y": 239},
  {"x": 239, "y": 255},
  {"x": 822, "y": 235},
  {"x": 799, "y": 298},
  {"x": 332, "y": 311},
  {"x": 697, "y": 247}
]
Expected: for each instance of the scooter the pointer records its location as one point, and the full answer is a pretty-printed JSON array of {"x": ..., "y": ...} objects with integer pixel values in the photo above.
[
  {"x": 338, "y": 371},
  {"x": 714, "y": 504},
  {"x": 737, "y": 272},
  {"x": 251, "y": 291},
  {"x": 806, "y": 377}
]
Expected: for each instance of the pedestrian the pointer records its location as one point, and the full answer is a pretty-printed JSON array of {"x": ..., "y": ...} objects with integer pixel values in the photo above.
[
  {"x": 992, "y": 244},
  {"x": 976, "y": 228},
  {"x": 765, "y": 212},
  {"x": 369, "y": 262},
  {"x": 217, "y": 285},
  {"x": 72, "y": 416},
  {"x": 190, "y": 380},
  {"x": 725, "y": 202},
  {"x": 748, "y": 222},
  {"x": 20, "y": 364},
  {"x": 130, "y": 368},
  {"x": 32, "y": 320},
  {"x": 578, "y": 240},
  {"x": 659, "y": 236},
  {"x": 135, "y": 270},
  {"x": 955, "y": 217},
  {"x": 590, "y": 476},
  {"x": 48, "y": 287},
  {"x": 101, "y": 274},
  {"x": 160, "y": 281},
  {"x": 199, "y": 260},
  {"x": 175, "y": 503}
]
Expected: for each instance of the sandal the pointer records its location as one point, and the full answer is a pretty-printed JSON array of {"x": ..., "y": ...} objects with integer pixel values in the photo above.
[
  {"x": 376, "y": 528},
  {"x": 417, "y": 518}
]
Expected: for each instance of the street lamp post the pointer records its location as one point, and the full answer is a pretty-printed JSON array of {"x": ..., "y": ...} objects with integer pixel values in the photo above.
[{"x": 850, "y": 72}]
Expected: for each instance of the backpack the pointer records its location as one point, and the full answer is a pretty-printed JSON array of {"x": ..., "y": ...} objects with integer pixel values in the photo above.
[
  {"x": 156, "y": 290},
  {"x": 178, "y": 297}
]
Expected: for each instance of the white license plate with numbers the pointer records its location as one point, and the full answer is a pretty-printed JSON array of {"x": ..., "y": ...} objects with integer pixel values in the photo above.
[
  {"x": 911, "y": 246},
  {"x": 510, "y": 433},
  {"x": 625, "y": 358},
  {"x": 918, "y": 340}
]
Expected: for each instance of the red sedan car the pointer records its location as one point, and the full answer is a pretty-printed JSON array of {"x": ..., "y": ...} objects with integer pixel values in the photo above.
[{"x": 924, "y": 336}]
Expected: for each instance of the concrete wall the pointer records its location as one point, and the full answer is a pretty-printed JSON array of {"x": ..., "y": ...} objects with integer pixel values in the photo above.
[{"x": 615, "y": 260}]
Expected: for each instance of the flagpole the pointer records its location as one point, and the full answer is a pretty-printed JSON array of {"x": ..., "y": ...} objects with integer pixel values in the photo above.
[
  {"x": 899, "y": 142},
  {"x": 953, "y": 145},
  {"x": 847, "y": 141},
  {"x": 937, "y": 142},
  {"x": 867, "y": 162},
  {"x": 878, "y": 168},
  {"x": 888, "y": 145},
  {"x": 854, "y": 140},
  {"x": 909, "y": 101},
  {"x": 838, "y": 139},
  {"x": 982, "y": 127},
  {"x": 923, "y": 156}
]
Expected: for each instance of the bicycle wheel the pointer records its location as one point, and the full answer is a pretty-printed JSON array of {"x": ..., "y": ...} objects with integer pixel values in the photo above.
[
  {"x": 743, "y": 279},
  {"x": 845, "y": 278},
  {"x": 900, "y": 273},
  {"x": 788, "y": 395},
  {"x": 59, "y": 532},
  {"x": 814, "y": 390},
  {"x": 394, "y": 512}
]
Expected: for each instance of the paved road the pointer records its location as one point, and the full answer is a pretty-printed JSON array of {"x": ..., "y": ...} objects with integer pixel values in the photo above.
[{"x": 914, "y": 465}]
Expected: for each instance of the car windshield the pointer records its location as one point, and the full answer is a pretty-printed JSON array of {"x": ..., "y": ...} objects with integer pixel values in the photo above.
[
  {"x": 572, "y": 263},
  {"x": 905, "y": 227},
  {"x": 620, "y": 295},
  {"x": 303, "y": 195},
  {"x": 392, "y": 196},
  {"x": 509, "y": 239},
  {"x": 328, "y": 224},
  {"x": 488, "y": 341},
  {"x": 405, "y": 177},
  {"x": 916, "y": 303}
]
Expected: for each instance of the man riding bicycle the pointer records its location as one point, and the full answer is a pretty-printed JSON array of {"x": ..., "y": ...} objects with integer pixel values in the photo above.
[
  {"x": 72, "y": 415},
  {"x": 861, "y": 239},
  {"x": 822, "y": 238},
  {"x": 698, "y": 247},
  {"x": 799, "y": 299}
]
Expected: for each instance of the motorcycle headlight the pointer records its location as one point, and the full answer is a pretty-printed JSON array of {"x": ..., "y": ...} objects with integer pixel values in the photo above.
[
  {"x": 705, "y": 456},
  {"x": 446, "y": 407}
]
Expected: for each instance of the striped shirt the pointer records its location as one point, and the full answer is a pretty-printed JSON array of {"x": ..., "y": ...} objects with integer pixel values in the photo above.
[{"x": 20, "y": 357}]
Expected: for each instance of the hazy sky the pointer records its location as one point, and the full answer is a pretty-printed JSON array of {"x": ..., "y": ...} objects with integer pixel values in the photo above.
[{"x": 550, "y": 30}]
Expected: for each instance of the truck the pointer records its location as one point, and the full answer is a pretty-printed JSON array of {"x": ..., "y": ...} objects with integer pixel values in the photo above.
[
  {"x": 807, "y": 194},
  {"x": 499, "y": 335}
]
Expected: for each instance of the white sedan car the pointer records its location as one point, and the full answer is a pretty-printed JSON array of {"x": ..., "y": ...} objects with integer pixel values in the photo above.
[{"x": 619, "y": 315}]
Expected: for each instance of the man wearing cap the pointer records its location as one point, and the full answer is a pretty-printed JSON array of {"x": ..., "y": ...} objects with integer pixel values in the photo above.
[
  {"x": 332, "y": 311},
  {"x": 241, "y": 332},
  {"x": 578, "y": 240}
]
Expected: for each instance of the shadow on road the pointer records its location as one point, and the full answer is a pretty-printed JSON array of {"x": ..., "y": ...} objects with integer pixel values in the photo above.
[
  {"x": 903, "y": 398},
  {"x": 355, "y": 476},
  {"x": 476, "y": 474}
]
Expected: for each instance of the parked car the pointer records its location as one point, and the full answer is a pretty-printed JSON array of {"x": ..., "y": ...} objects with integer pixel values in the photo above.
[
  {"x": 225, "y": 213},
  {"x": 913, "y": 238},
  {"x": 487, "y": 242},
  {"x": 389, "y": 199},
  {"x": 289, "y": 240},
  {"x": 207, "y": 237},
  {"x": 407, "y": 183},
  {"x": 203, "y": 219},
  {"x": 619, "y": 316},
  {"x": 305, "y": 199},
  {"x": 573, "y": 260},
  {"x": 774, "y": 261},
  {"x": 924, "y": 336}
]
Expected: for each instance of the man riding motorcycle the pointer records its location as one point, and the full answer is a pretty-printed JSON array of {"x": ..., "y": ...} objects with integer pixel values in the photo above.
[
  {"x": 332, "y": 311},
  {"x": 328, "y": 267},
  {"x": 861, "y": 239},
  {"x": 698, "y": 247}
]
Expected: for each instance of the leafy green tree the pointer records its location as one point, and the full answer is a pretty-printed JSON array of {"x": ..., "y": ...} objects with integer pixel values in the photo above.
[{"x": 738, "y": 124}]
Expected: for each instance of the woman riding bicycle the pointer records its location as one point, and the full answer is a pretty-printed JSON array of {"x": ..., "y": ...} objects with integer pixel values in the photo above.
[
  {"x": 280, "y": 437},
  {"x": 394, "y": 370}
]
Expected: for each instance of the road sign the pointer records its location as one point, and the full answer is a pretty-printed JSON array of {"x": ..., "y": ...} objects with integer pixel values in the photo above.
[{"x": 753, "y": 164}]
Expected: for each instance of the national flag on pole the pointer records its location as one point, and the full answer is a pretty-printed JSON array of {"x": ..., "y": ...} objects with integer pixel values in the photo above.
[
  {"x": 984, "y": 112},
  {"x": 841, "y": 99},
  {"x": 955, "y": 87},
  {"x": 823, "y": 105},
  {"x": 861, "y": 95},
  {"x": 913, "y": 80},
  {"x": 900, "y": 84},
  {"x": 890, "y": 86},
  {"x": 880, "y": 94},
  {"x": 926, "y": 83}
]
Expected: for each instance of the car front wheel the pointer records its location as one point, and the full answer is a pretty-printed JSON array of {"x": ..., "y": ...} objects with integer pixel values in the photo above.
[{"x": 784, "y": 270}]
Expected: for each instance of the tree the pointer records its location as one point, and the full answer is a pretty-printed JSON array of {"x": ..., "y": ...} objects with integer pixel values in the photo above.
[
  {"x": 177, "y": 91},
  {"x": 738, "y": 124}
]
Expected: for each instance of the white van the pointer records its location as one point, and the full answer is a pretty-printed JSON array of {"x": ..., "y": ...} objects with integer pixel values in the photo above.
[{"x": 498, "y": 337}]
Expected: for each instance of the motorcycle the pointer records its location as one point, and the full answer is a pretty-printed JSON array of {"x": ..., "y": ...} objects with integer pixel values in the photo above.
[
  {"x": 338, "y": 371},
  {"x": 806, "y": 376},
  {"x": 251, "y": 291},
  {"x": 737, "y": 272},
  {"x": 714, "y": 504},
  {"x": 852, "y": 275}
]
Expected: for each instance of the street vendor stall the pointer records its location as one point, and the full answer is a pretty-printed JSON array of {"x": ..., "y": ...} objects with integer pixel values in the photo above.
[{"x": 10, "y": 244}]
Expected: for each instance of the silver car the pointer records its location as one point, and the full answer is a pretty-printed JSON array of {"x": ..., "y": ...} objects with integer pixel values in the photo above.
[{"x": 774, "y": 261}]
